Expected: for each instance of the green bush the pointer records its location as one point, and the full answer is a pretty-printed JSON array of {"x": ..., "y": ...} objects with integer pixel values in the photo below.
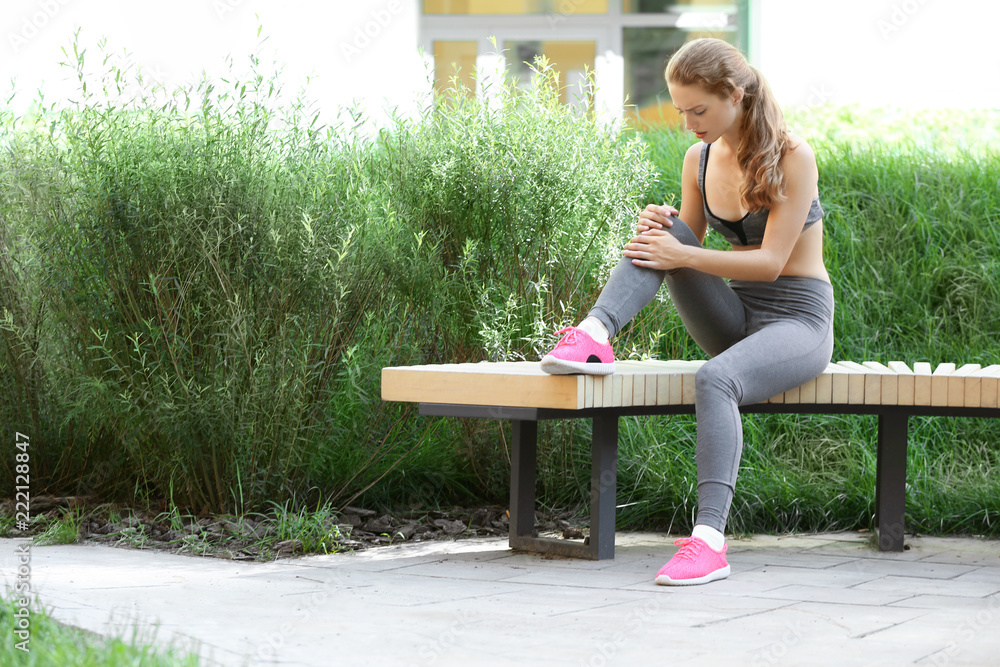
[{"x": 200, "y": 293}]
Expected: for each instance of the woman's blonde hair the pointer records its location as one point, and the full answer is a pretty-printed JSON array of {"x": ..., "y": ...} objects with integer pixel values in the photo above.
[{"x": 720, "y": 69}]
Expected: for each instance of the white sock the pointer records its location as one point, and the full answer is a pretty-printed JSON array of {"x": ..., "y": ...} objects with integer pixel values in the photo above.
[
  {"x": 595, "y": 329},
  {"x": 712, "y": 537}
]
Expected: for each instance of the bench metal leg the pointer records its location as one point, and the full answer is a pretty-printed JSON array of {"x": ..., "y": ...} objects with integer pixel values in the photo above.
[
  {"x": 890, "y": 481},
  {"x": 523, "y": 457},
  {"x": 603, "y": 489},
  {"x": 603, "y": 486}
]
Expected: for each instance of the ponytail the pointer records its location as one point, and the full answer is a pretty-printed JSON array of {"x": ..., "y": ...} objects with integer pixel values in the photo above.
[{"x": 763, "y": 142}]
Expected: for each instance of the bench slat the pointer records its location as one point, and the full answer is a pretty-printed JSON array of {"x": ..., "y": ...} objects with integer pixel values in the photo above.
[
  {"x": 939, "y": 383},
  {"x": 662, "y": 389},
  {"x": 988, "y": 385},
  {"x": 618, "y": 391},
  {"x": 638, "y": 394},
  {"x": 922, "y": 383},
  {"x": 904, "y": 382},
  {"x": 807, "y": 392},
  {"x": 652, "y": 384},
  {"x": 963, "y": 388},
  {"x": 684, "y": 384},
  {"x": 824, "y": 388}
]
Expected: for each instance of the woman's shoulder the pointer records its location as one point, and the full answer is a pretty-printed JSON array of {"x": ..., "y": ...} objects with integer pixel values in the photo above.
[
  {"x": 798, "y": 155},
  {"x": 799, "y": 164},
  {"x": 692, "y": 157},
  {"x": 798, "y": 148},
  {"x": 694, "y": 150}
]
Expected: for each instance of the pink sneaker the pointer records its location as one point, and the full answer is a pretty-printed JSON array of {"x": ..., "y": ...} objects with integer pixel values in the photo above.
[
  {"x": 695, "y": 563},
  {"x": 577, "y": 352}
]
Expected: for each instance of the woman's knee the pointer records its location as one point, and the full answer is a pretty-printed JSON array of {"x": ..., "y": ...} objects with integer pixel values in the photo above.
[
  {"x": 715, "y": 379},
  {"x": 680, "y": 231}
]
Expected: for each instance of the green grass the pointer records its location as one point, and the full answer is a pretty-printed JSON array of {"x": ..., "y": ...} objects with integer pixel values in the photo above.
[
  {"x": 65, "y": 530},
  {"x": 50, "y": 643},
  {"x": 198, "y": 290},
  {"x": 315, "y": 531}
]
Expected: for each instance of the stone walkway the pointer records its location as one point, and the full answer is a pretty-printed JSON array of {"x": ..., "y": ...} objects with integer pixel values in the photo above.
[{"x": 798, "y": 600}]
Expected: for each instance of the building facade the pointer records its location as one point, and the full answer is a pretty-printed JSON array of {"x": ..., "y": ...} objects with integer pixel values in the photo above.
[{"x": 610, "y": 54}]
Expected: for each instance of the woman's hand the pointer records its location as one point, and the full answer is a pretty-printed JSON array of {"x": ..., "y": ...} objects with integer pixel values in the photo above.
[
  {"x": 653, "y": 247},
  {"x": 655, "y": 216},
  {"x": 656, "y": 249}
]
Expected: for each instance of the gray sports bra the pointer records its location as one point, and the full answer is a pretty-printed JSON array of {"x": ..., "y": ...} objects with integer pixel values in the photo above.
[{"x": 749, "y": 230}]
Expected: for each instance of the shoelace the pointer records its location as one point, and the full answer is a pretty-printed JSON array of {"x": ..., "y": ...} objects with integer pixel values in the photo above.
[
  {"x": 569, "y": 338},
  {"x": 689, "y": 548}
]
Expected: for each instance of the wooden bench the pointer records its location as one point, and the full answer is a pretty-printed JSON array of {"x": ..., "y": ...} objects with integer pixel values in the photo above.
[{"x": 523, "y": 394}]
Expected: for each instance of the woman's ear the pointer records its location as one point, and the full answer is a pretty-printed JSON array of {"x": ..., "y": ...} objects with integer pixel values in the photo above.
[{"x": 737, "y": 96}]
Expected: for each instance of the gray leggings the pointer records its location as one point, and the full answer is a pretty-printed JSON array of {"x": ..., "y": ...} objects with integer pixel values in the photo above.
[{"x": 763, "y": 339}]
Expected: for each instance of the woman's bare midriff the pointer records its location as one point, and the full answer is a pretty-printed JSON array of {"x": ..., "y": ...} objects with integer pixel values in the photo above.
[{"x": 806, "y": 259}]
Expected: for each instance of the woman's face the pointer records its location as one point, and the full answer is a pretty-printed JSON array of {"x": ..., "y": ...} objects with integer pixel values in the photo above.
[{"x": 707, "y": 115}]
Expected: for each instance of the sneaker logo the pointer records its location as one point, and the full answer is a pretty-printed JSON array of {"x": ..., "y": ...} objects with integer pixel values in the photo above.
[{"x": 593, "y": 359}]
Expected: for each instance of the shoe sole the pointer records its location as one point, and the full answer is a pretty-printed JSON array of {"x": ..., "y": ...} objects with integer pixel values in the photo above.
[
  {"x": 721, "y": 573},
  {"x": 556, "y": 366}
]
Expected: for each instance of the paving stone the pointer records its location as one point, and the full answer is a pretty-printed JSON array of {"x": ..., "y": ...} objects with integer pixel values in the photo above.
[
  {"x": 771, "y": 577},
  {"x": 941, "y": 602},
  {"x": 920, "y": 568},
  {"x": 984, "y": 575},
  {"x": 916, "y": 585},
  {"x": 852, "y": 595}
]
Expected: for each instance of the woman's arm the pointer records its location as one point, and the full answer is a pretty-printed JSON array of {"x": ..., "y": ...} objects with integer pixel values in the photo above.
[
  {"x": 657, "y": 249},
  {"x": 692, "y": 211}
]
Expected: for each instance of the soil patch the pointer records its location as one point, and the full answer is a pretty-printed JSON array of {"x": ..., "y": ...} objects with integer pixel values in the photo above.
[{"x": 66, "y": 520}]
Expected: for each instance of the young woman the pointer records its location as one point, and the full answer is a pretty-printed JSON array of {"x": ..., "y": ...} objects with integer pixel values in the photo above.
[{"x": 766, "y": 329}]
